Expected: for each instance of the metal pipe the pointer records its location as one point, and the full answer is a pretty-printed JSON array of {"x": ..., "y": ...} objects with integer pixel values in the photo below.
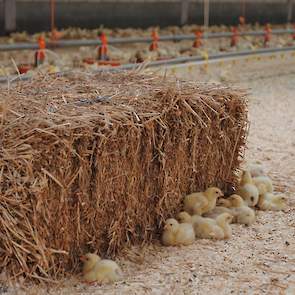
[
  {"x": 173, "y": 61},
  {"x": 184, "y": 12},
  {"x": 186, "y": 59},
  {"x": 206, "y": 4},
  {"x": 243, "y": 4},
  {"x": 289, "y": 10},
  {"x": 96, "y": 42},
  {"x": 9, "y": 15},
  {"x": 52, "y": 16}
]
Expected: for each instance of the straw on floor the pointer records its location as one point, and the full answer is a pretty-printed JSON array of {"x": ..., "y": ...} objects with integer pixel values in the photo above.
[{"x": 99, "y": 161}]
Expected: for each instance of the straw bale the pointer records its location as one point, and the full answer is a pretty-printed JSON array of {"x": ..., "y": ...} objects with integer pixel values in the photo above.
[{"x": 98, "y": 161}]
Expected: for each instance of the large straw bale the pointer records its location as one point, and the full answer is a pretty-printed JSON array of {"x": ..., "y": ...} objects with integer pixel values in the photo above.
[{"x": 99, "y": 161}]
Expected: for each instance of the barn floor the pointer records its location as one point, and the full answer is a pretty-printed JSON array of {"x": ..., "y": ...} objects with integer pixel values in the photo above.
[{"x": 259, "y": 259}]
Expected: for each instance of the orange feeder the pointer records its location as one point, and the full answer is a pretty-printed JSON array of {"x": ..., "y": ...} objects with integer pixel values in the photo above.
[
  {"x": 89, "y": 60},
  {"x": 40, "y": 53},
  {"x": 234, "y": 37},
  {"x": 55, "y": 35},
  {"x": 198, "y": 40},
  {"x": 24, "y": 68},
  {"x": 267, "y": 35},
  {"x": 155, "y": 38},
  {"x": 242, "y": 20},
  {"x": 103, "y": 48}
]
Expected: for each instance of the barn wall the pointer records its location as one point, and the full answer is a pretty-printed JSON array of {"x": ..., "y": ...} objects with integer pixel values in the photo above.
[{"x": 34, "y": 15}]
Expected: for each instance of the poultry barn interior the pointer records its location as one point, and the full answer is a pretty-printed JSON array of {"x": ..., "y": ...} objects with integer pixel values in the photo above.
[{"x": 147, "y": 147}]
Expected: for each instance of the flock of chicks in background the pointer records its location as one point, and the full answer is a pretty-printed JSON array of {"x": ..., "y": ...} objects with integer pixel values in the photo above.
[
  {"x": 206, "y": 215},
  {"x": 63, "y": 59}
]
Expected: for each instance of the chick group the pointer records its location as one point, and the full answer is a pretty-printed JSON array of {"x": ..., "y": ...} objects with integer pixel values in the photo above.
[
  {"x": 205, "y": 215},
  {"x": 201, "y": 218},
  {"x": 209, "y": 215},
  {"x": 267, "y": 199}
]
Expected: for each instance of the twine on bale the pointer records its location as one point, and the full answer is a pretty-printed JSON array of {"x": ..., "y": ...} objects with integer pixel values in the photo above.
[{"x": 99, "y": 161}]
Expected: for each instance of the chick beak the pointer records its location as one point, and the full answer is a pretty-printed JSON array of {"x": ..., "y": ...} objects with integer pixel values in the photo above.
[
  {"x": 83, "y": 258},
  {"x": 165, "y": 227}
]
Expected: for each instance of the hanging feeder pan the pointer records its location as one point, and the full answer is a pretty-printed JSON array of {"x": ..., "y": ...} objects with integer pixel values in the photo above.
[
  {"x": 89, "y": 60},
  {"x": 24, "y": 68}
]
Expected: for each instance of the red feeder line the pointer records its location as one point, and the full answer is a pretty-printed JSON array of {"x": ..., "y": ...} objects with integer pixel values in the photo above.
[
  {"x": 40, "y": 53},
  {"x": 112, "y": 63},
  {"x": 103, "y": 48},
  {"x": 198, "y": 41},
  {"x": 267, "y": 35},
  {"x": 154, "y": 46},
  {"x": 234, "y": 37}
]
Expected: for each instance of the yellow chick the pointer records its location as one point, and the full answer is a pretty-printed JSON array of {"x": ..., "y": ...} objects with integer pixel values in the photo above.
[
  {"x": 256, "y": 170},
  {"x": 246, "y": 178},
  {"x": 263, "y": 184},
  {"x": 223, "y": 202},
  {"x": 204, "y": 228},
  {"x": 217, "y": 211},
  {"x": 53, "y": 69},
  {"x": 236, "y": 201},
  {"x": 242, "y": 213},
  {"x": 100, "y": 270},
  {"x": 176, "y": 234},
  {"x": 250, "y": 194},
  {"x": 271, "y": 202},
  {"x": 205, "y": 55},
  {"x": 202, "y": 202},
  {"x": 224, "y": 220},
  {"x": 247, "y": 190}
]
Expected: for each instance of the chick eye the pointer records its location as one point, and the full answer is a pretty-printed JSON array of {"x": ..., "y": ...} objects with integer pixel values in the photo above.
[{"x": 252, "y": 199}]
